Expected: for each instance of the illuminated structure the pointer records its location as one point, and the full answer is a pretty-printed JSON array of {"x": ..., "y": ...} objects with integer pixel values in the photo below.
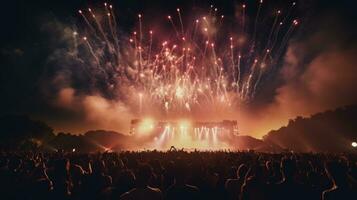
[
  {"x": 184, "y": 133},
  {"x": 148, "y": 126}
]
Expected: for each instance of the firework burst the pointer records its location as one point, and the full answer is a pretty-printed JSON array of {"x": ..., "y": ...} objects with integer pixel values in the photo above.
[{"x": 199, "y": 65}]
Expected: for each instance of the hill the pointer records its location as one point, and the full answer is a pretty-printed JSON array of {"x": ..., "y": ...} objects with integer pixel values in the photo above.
[{"x": 330, "y": 131}]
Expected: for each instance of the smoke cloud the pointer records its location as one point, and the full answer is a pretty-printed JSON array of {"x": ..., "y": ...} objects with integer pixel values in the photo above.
[{"x": 319, "y": 74}]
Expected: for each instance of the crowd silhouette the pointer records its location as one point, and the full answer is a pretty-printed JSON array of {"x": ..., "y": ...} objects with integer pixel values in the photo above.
[{"x": 177, "y": 174}]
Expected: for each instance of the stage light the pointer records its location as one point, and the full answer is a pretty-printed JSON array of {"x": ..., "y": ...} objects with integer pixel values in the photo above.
[
  {"x": 146, "y": 126},
  {"x": 354, "y": 144},
  {"x": 73, "y": 150},
  {"x": 184, "y": 124}
]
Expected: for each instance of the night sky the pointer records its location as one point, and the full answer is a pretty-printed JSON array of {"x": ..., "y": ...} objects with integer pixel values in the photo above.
[{"x": 317, "y": 73}]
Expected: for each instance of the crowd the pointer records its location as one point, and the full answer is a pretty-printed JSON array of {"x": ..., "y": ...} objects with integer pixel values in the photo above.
[{"x": 177, "y": 174}]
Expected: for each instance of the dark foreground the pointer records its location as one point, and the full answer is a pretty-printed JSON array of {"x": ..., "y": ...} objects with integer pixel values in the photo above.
[{"x": 177, "y": 175}]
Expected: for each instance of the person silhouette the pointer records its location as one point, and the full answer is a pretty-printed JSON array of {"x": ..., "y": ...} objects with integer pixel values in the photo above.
[
  {"x": 61, "y": 180},
  {"x": 180, "y": 189},
  {"x": 254, "y": 186},
  {"x": 337, "y": 173},
  {"x": 142, "y": 189},
  {"x": 233, "y": 186},
  {"x": 288, "y": 187}
]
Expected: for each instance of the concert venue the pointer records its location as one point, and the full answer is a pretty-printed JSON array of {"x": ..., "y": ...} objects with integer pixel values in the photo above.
[{"x": 178, "y": 99}]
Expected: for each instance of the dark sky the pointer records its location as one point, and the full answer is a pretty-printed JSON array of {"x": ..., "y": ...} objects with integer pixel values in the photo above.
[{"x": 29, "y": 37}]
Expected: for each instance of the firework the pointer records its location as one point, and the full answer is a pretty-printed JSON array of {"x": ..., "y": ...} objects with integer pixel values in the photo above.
[{"x": 199, "y": 65}]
